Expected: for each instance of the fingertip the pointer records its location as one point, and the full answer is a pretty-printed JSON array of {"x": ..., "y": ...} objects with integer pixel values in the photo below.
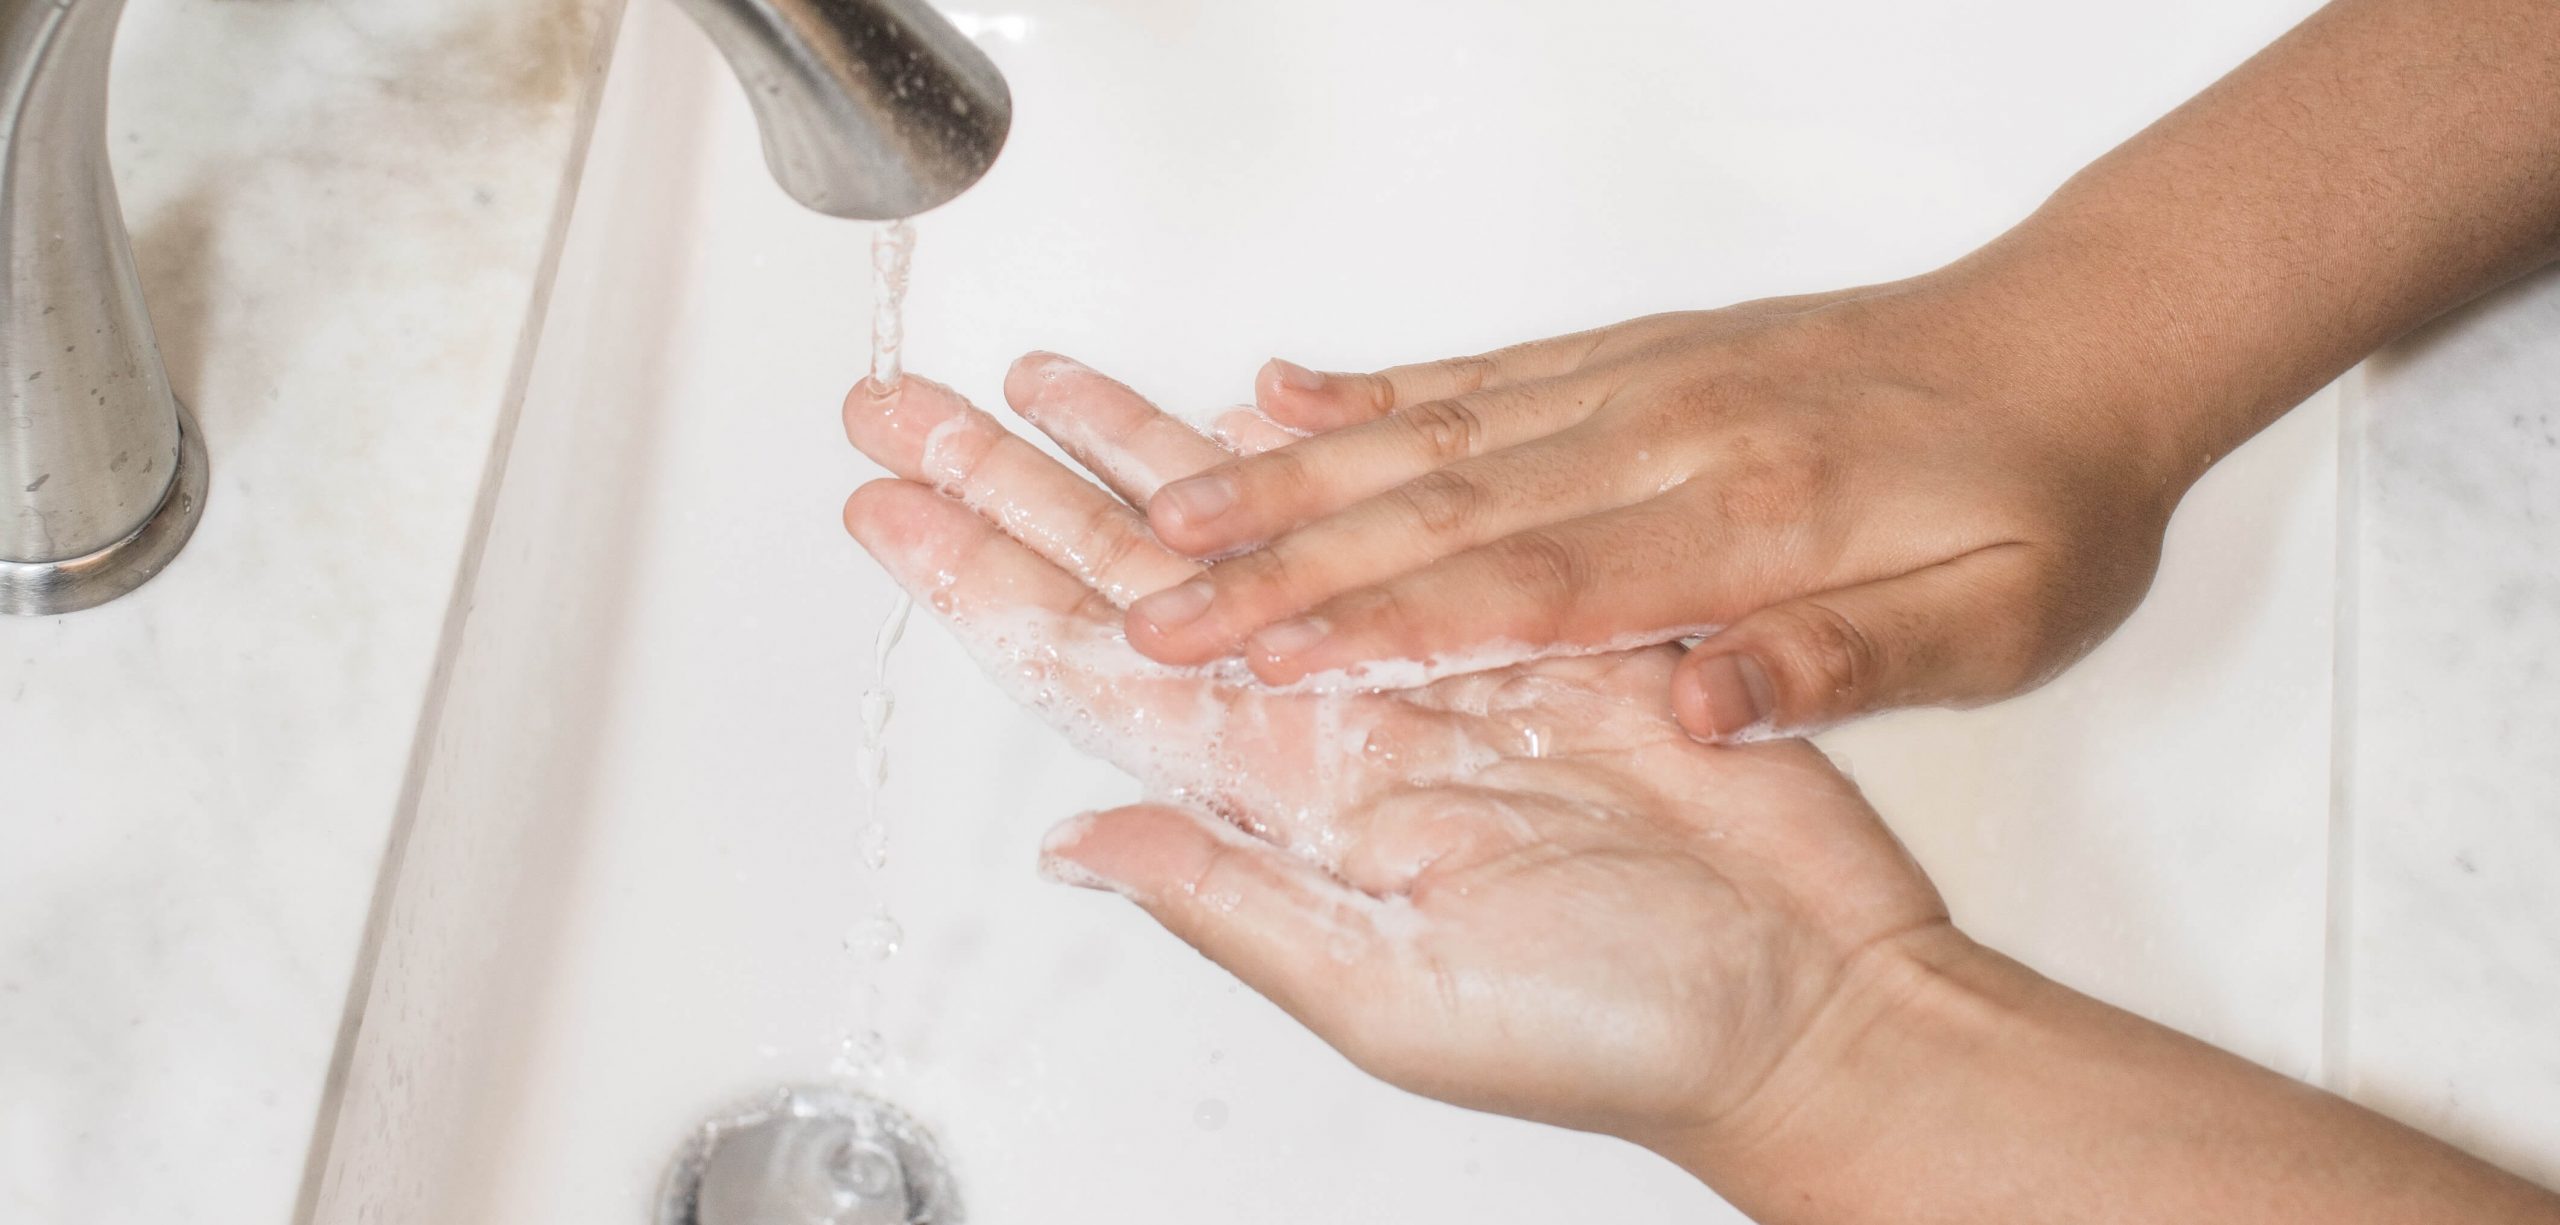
[
  {"x": 860, "y": 400},
  {"x": 1723, "y": 696},
  {"x": 1031, "y": 376},
  {"x": 1062, "y": 863},
  {"x": 915, "y": 533},
  {"x": 1285, "y": 376},
  {"x": 1167, "y": 626},
  {"x": 1288, "y": 651},
  {"x": 1195, "y": 504},
  {"x": 892, "y": 424},
  {"x": 1130, "y": 851},
  {"x": 863, "y": 509},
  {"x": 1273, "y": 670},
  {"x": 1175, "y": 530},
  {"x": 1240, "y": 429},
  {"x": 868, "y": 406},
  {"x": 1301, "y": 398}
]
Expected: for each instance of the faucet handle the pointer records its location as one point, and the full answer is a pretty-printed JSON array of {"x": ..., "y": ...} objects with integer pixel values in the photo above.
[{"x": 870, "y": 109}]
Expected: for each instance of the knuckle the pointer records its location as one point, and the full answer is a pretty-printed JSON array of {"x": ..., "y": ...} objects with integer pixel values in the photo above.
[
  {"x": 1268, "y": 582},
  {"x": 1444, "y": 429},
  {"x": 1390, "y": 613},
  {"x": 1379, "y": 390},
  {"x": 1442, "y": 502},
  {"x": 1833, "y": 653},
  {"x": 955, "y": 461},
  {"x": 1093, "y": 606},
  {"x": 1280, "y": 477},
  {"x": 1772, "y": 481},
  {"x": 1471, "y": 373},
  {"x": 1105, "y": 542},
  {"x": 1552, "y": 569}
]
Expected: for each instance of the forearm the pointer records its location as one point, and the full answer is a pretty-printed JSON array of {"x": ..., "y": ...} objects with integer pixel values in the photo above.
[
  {"x": 1956, "y": 1086},
  {"x": 2382, "y": 163}
]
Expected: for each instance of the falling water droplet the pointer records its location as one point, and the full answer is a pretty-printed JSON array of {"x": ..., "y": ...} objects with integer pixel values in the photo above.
[{"x": 877, "y": 938}]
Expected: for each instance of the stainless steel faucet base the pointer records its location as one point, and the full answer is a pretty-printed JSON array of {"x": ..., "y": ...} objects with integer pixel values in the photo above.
[{"x": 44, "y": 589}]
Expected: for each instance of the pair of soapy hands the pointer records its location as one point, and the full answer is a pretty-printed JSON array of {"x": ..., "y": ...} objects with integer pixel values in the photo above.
[{"x": 1533, "y": 889}]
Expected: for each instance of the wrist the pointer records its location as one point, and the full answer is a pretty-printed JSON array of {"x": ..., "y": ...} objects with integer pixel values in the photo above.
[
  {"x": 2063, "y": 326},
  {"x": 1912, "y": 1021}
]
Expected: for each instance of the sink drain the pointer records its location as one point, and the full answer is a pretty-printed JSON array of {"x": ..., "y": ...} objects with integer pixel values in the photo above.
[{"x": 810, "y": 1155}]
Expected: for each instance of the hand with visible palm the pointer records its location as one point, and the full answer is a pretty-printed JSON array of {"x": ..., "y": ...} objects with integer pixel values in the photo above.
[{"x": 1523, "y": 890}]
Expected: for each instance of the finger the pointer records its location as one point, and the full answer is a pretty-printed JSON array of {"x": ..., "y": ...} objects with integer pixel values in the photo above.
[
  {"x": 968, "y": 571},
  {"x": 1053, "y": 644},
  {"x": 1611, "y": 581},
  {"x": 1950, "y": 633},
  {"x": 1252, "y": 500},
  {"x": 1281, "y": 925},
  {"x": 1049, "y": 641},
  {"x": 1315, "y": 400},
  {"x": 924, "y": 431},
  {"x": 1246, "y": 431},
  {"x": 1437, "y": 514},
  {"x": 1114, "y": 432}
]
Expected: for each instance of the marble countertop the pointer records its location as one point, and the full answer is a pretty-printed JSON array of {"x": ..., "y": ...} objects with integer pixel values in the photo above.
[{"x": 344, "y": 212}]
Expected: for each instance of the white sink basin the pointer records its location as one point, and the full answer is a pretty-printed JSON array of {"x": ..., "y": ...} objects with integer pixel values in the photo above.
[{"x": 621, "y": 902}]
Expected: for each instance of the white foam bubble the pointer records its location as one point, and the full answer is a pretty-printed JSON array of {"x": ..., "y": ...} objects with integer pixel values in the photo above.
[
  {"x": 1209, "y": 736},
  {"x": 1118, "y": 464},
  {"x": 1389, "y": 675},
  {"x": 941, "y": 463}
]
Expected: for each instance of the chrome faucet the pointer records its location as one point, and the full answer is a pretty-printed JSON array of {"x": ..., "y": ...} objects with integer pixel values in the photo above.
[{"x": 869, "y": 109}]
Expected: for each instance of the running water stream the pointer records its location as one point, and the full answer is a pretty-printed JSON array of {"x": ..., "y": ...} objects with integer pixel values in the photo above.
[
  {"x": 874, "y": 940},
  {"x": 892, "y": 251}
]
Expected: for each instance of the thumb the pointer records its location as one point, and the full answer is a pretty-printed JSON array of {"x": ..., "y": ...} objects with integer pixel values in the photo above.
[
  {"x": 1277, "y": 922},
  {"x": 1955, "y": 633}
]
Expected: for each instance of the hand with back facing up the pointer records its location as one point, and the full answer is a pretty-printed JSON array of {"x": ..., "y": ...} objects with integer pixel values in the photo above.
[{"x": 1881, "y": 498}]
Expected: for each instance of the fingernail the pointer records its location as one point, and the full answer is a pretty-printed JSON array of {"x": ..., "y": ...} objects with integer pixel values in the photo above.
[
  {"x": 1293, "y": 375},
  {"x": 1175, "y": 607},
  {"x": 1199, "y": 499},
  {"x": 1056, "y": 867},
  {"x": 1734, "y": 693},
  {"x": 1291, "y": 637}
]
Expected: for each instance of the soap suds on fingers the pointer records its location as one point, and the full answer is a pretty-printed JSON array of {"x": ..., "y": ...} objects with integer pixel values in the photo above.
[{"x": 1388, "y": 675}]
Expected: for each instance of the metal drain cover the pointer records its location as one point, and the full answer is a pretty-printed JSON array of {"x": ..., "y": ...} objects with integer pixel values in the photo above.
[{"x": 810, "y": 1155}]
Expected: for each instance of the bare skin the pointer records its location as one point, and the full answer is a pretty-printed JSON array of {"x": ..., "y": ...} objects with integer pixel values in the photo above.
[
  {"x": 1938, "y": 491},
  {"x": 1527, "y": 891}
]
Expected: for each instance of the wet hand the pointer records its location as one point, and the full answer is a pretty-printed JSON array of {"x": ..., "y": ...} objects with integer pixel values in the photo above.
[
  {"x": 1884, "y": 497},
  {"x": 1523, "y": 890}
]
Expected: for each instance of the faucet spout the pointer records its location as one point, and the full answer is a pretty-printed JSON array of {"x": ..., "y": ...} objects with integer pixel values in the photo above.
[{"x": 870, "y": 109}]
